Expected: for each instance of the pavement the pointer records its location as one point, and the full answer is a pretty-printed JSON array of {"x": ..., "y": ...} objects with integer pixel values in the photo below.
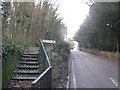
[{"x": 91, "y": 71}]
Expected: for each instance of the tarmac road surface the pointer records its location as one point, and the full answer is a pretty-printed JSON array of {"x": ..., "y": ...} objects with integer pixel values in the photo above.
[{"x": 91, "y": 71}]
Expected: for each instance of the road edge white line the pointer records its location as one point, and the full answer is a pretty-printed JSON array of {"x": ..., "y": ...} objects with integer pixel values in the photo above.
[
  {"x": 74, "y": 80},
  {"x": 113, "y": 81},
  {"x": 68, "y": 77}
]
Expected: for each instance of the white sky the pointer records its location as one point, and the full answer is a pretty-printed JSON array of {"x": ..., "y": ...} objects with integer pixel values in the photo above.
[{"x": 73, "y": 12}]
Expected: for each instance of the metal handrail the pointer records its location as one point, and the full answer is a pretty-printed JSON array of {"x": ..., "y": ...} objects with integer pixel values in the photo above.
[
  {"x": 45, "y": 53},
  {"x": 45, "y": 74},
  {"x": 36, "y": 80}
]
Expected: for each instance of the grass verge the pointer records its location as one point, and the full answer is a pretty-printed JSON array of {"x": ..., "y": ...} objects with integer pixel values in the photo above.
[
  {"x": 59, "y": 60},
  {"x": 106, "y": 54},
  {"x": 7, "y": 70},
  {"x": 10, "y": 56}
]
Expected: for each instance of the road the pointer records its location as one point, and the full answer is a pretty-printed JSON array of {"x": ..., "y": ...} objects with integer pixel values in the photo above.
[{"x": 91, "y": 71}]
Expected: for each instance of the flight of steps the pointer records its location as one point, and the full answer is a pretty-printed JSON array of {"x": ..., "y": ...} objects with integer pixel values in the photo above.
[{"x": 26, "y": 71}]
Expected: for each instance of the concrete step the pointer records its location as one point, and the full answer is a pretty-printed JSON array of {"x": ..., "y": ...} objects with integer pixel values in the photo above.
[
  {"x": 28, "y": 67},
  {"x": 19, "y": 84},
  {"x": 27, "y": 72},
  {"x": 30, "y": 56},
  {"x": 29, "y": 59},
  {"x": 23, "y": 78},
  {"x": 27, "y": 75},
  {"x": 29, "y": 63}
]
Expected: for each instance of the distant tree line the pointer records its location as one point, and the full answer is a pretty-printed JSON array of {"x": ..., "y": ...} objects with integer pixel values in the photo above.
[{"x": 100, "y": 30}]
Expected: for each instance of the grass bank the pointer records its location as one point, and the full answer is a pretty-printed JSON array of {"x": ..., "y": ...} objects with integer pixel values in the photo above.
[
  {"x": 106, "y": 54},
  {"x": 59, "y": 60},
  {"x": 7, "y": 70},
  {"x": 10, "y": 57}
]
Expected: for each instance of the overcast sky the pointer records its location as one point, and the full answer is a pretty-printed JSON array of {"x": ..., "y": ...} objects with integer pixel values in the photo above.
[{"x": 73, "y": 12}]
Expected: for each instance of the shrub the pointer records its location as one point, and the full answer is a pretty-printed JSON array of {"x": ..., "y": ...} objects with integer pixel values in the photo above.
[
  {"x": 10, "y": 56},
  {"x": 63, "y": 49},
  {"x": 9, "y": 50},
  {"x": 59, "y": 60}
]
